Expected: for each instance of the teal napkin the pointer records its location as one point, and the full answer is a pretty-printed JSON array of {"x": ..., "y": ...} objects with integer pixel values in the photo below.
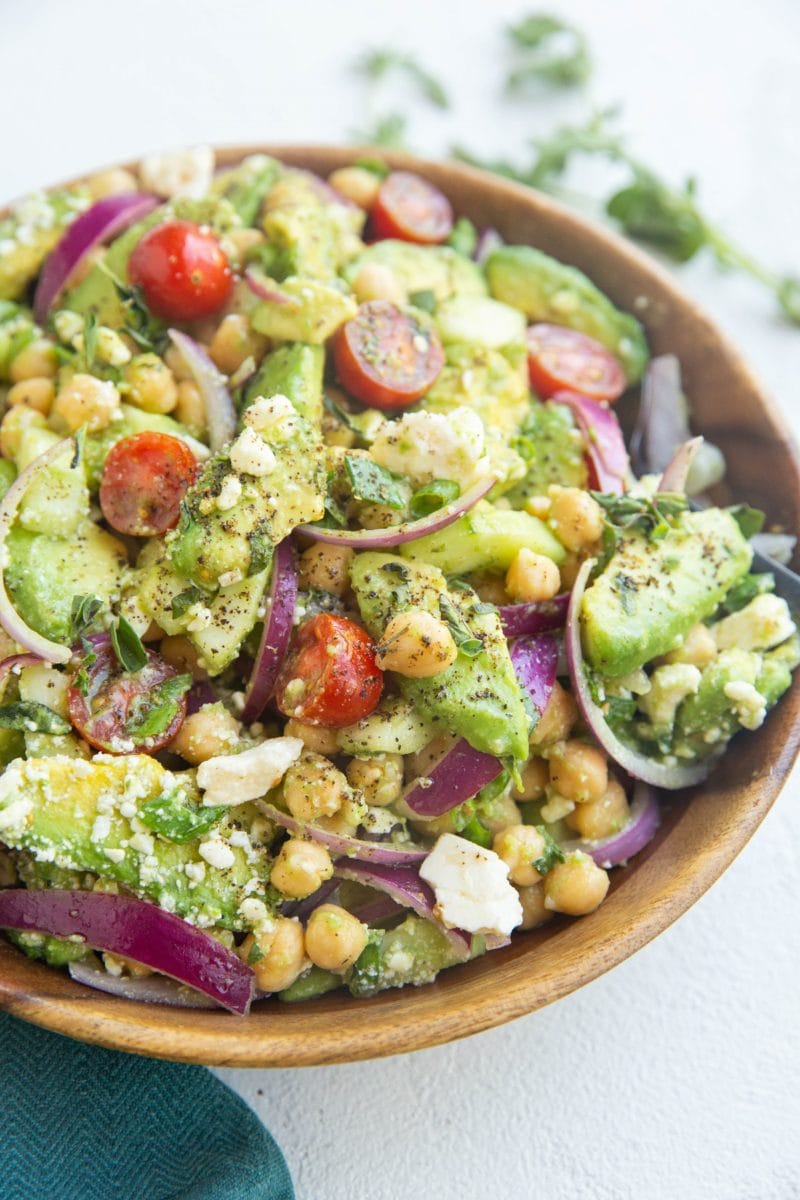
[{"x": 80, "y": 1123}]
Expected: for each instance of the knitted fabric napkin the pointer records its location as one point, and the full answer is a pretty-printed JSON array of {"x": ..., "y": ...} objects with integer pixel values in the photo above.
[{"x": 81, "y": 1123}]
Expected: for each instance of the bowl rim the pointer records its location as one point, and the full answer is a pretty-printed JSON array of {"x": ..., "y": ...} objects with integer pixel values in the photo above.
[{"x": 388, "y": 1024}]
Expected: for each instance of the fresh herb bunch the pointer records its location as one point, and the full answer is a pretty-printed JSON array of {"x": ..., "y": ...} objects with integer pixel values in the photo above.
[
  {"x": 376, "y": 65},
  {"x": 549, "y": 50},
  {"x": 654, "y": 516}
]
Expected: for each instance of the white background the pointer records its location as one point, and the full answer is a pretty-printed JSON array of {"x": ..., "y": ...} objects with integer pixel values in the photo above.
[{"x": 676, "y": 1075}]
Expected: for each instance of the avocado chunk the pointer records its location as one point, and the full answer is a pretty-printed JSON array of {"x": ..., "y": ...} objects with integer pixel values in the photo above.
[
  {"x": 477, "y": 697},
  {"x": 230, "y": 521},
  {"x": 312, "y": 983},
  {"x": 85, "y": 816},
  {"x": 651, "y": 593},
  {"x": 28, "y": 234},
  {"x": 484, "y": 539},
  {"x": 245, "y": 186},
  {"x": 294, "y": 370},
  {"x": 551, "y": 446},
  {"x": 479, "y": 321},
  {"x": 304, "y": 310},
  {"x": 44, "y": 573},
  {"x": 57, "y": 500},
  {"x": 313, "y": 241},
  {"x": 548, "y": 290},
  {"x": 410, "y": 954},
  {"x": 437, "y": 269}
]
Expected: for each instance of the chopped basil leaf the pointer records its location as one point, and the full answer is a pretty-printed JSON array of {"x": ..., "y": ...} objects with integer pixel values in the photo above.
[
  {"x": 750, "y": 520},
  {"x": 154, "y": 712},
  {"x": 373, "y": 484},
  {"x": 185, "y": 599},
  {"x": 170, "y": 815},
  {"x": 90, "y": 340},
  {"x": 433, "y": 496},
  {"x": 28, "y": 716},
  {"x": 463, "y": 636},
  {"x": 261, "y": 551},
  {"x": 82, "y": 613},
  {"x": 424, "y": 299},
  {"x": 475, "y": 831},
  {"x": 256, "y": 954},
  {"x": 551, "y": 854},
  {"x": 128, "y": 647}
]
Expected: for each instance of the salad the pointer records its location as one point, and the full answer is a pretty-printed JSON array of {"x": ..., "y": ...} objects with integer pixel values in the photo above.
[{"x": 340, "y": 640}]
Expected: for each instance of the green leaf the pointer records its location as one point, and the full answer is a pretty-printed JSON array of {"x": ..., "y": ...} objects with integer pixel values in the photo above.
[
  {"x": 433, "y": 496},
  {"x": 747, "y": 589},
  {"x": 750, "y": 520},
  {"x": 175, "y": 819},
  {"x": 90, "y": 340},
  {"x": 424, "y": 299},
  {"x": 184, "y": 600},
  {"x": 256, "y": 954},
  {"x": 28, "y": 716},
  {"x": 388, "y": 131},
  {"x": 376, "y": 166},
  {"x": 463, "y": 636},
  {"x": 551, "y": 854},
  {"x": 494, "y": 789},
  {"x": 651, "y": 212},
  {"x": 653, "y": 516},
  {"x": 373, "y": 484},
  {"x": 261, "y": 552},
  {"x": 377, "y": 64},
  {"x": 475, "y": 831},
  {"x": 463, "y": 237},
  {"x": 788, "y": 294},
  {"x": 83, "y": 611},
  {"x": 128, "y": 647},
  {"x": 555, "y": 52},
  {"x": 154, "y": 712}
]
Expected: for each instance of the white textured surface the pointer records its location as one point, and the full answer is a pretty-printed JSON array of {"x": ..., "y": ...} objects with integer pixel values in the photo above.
[{"x": 675, "y": 1076}]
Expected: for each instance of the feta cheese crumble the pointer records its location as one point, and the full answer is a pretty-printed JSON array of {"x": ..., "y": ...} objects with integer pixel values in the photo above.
[
  {"x": 250, "y": 454},
  {"x": 427, "y": 446},
  {"x": 471, "y": 887},
  {"x": 235, "y": 778},
  {"x": 763, "y": 623},
  {"x": 217, "y": 854},
  {"x": 230, "y": 493}
]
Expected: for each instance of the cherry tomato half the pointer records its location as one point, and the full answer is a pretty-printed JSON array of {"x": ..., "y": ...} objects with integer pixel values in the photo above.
[
  {"x": 331, "y": 676},
  {"x": 182, "y": 270},
  {"x": 564, "y": 359},
  {"x": 145, "y": 477},
  {"x": 387, "y": 358},
  {"x": 124, "y": 712},
  {"x": 410, "y": 208}
]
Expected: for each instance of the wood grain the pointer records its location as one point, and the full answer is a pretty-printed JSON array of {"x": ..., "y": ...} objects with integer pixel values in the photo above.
[{"x": 702, "y": 832}]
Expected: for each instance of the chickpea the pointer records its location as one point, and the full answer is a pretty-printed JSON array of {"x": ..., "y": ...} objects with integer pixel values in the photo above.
[
  {"x": 499, "y": 813},
  {"x": 578, "y": 771},
  {"x": 334, "y": 938},
  {"x": 14, "y": 424},
  {"x": 576, "y": 886},
  {"x": 37, "y": 360},
  {"x": 535, "y": 778},
  {"x": 318, "y": 738},
  {"x": 356, "y": 184},
  {"x": 697, "y": 649},
  {"x": 326, "y": 568},
  {"x": 538, "y": 506},
  {"x": 380, "y": 778},
  {"x": 300, "y": 868},
  {"x": 377, "y": 282},
  {"x": 151, "y": 384},
  {"x": 313, "y": 787},
  {"x": 347, "y": 819},
  {"x": 113, "y": 182},
  {"x": 276, "y": 953},
  {"x": 181, "y": 654},
  {"x": 209, "y": 732},
  {"x": 602, "y": 817},
  {"x": 416, "y": 644},
  {"x": 190, "y": 408},
  {"x": 558, "y": 718},
  {"x": 87, "y": 401},
  {"x": 519, "y": 846},
  {"x": 492, "y": 589},
  {"x": 35, "y": 393},
  {"x": 532, "y": 577},
  {"x": 234, "y": 340},
  {"x": 575, "y": 517},
  {"x": 532, "y": 900}
]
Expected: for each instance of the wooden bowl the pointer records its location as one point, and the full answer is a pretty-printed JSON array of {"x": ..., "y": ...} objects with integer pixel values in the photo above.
[{"x": 702, "y": 831}]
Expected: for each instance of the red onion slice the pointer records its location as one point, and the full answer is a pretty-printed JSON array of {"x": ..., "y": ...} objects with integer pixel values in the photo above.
[
  {"x": 12, "y": 622},
  {"x": 397, "y": 535},
  {"x": 488, "y": 240},
  {"x": 535, "y": 662},
  {"x": 220, "y": 413},
  {"x": 134, "y": 929},
  {"x": 200, "y": 694},
  {"x": 152, "y": 989},
  {"x": 351, "y": 847},
  {"x": 404, "y": 885},
  {"x": 457, "y": 775},
  {"x": 643, "y": 822},
  {"x": 659, "y": 774},
  {"x": 276, "y": 633},
  {"x": 677, "y": 469},
  {"x": 605, "y": 444},
  {"x": 15, "y": 662},
  {"x": 105, "y": 219},
  {"x": 535, "y": 616},
  {"x": 663, "y": 422}
]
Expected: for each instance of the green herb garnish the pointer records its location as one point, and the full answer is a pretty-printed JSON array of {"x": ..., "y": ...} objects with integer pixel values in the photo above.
[
  {"x": 170, "y": 815},
  {"x": 433, "y": 496},
  {"x": 750, "y": 520},
  {"x": 28, "y": 716},
  {"x": 551, "y": 854},
  {"x": 466, "y": 641},
  {"x": 550, "y": 51},
  {"x": 377, "y": 64},
  {"x": 183, "y": 601},
  {"x": 372, "y": 484},
  {"x": 155, "y": 711},
  {"x": 463, "y": 237},
  {"x": 128, "y": 647},
  {"x": 82, "y": 613},
  {"x": 424, "y": 299}
]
